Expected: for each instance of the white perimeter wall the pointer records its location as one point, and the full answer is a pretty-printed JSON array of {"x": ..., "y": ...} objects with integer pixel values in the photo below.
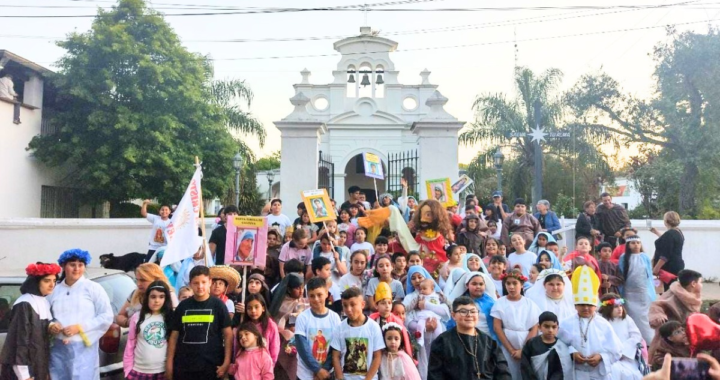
[{"x": 25, "y": 240}]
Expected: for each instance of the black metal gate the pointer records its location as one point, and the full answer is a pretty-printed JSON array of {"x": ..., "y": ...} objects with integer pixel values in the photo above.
[
  {"x": 326, "y": 174},
  {"x": 403, "y": 165}
]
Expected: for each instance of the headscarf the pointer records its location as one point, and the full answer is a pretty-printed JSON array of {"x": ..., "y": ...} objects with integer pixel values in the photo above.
[
  {"x": 291, "y": 281},
  {"x": 465, "y": 263},
  {"x": 553, "y": 259},
  {"x": 387, "y": 195},
  {"x": 537, "y": 294},
  {"x": 534, "y": 247},
  {"x": 453, "y": 279},
  {"x": 418, "y": 269},
  {"x": 461, "y": 287}
]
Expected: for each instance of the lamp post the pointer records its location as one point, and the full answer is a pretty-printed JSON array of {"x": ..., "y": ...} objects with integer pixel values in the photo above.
[
  {"x": 237, "y": 164},
  {"x": 498, "y": 159},
  {"x": 270, "y": 178}
]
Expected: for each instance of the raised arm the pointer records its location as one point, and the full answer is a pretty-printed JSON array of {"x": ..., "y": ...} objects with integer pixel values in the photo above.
[{"x": 143, "y": 209}]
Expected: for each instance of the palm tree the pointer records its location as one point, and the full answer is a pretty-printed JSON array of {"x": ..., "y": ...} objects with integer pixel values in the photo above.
[
  {"x": 228, "y": 95},
  {"x": 497, "y": 118},
  {"x": 502, "y": 122}
]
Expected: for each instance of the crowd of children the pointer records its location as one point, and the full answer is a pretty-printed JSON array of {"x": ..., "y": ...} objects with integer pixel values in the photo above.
[{"x": 332, "y": 305}]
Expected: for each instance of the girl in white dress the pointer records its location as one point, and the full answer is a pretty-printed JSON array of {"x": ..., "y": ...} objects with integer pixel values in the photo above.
[
  {"x": 516, "y": 319},
  {"x": 612, "y": 308},
  {"x": 553, "y": 292}
]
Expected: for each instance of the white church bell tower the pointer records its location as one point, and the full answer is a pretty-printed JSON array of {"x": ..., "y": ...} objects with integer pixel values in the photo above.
[{"x": 366, "y": 109}]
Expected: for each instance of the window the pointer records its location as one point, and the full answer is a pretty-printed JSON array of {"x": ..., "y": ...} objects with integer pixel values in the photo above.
[
  {"x": 59, "y": 202},
  {"x": 8, "y": 294},
  {"x": 118, "y": 288}
]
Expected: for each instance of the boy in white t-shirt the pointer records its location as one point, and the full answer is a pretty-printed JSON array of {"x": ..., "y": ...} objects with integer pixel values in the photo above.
[
  {"x": 276, "y": 219},
  {"x": 160, "y": 223},
  {"x": 322, "y": 268},
  {"x": 313, "y": 331},
  {"x": 358, "y": 342}
]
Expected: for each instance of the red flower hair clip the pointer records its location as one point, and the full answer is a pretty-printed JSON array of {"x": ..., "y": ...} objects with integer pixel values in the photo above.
[
  {"x": 42, "y": 270},
  {"x": 516, "y": 275}
]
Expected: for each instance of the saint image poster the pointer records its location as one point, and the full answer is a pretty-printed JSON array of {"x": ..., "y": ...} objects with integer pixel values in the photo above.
[
  {"x": 317, "y": 203},
  {"x": 461, "y": 184},
  {"x": 440, "y": 190},
  {"x": 246, "y": 242},
  {"x": 373, "y": 166}
]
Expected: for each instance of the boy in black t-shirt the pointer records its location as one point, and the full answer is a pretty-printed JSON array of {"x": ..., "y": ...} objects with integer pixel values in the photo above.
[
  {"x": 545, "y": 356},
  {"x": 200, "y": 343}
]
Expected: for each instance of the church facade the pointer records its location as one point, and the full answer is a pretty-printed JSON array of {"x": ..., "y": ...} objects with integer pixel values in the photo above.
[{"x": 365, "y": 109}]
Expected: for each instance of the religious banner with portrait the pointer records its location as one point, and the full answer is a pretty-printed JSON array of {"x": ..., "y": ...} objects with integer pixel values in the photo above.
[
  {"x": 373, "y": 166},
  {"x": 461, "y": 184},
  {"x": 441, "y": 191},
  {"x": 318, "y": 205},
  {"x": 246, "y": 242}
]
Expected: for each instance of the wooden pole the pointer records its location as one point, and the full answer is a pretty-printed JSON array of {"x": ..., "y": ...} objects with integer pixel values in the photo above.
[
  {"x": 377, "y": 196},
  {"x": 202, "y": 219},
  {"x": 244, "y": 283}
]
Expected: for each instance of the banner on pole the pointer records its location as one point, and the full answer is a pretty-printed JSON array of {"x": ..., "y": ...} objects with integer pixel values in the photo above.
[
  {"x": 182, "y": 232},
  {"x": 461, "y": 184},
  {"x": 373, "y": 166},
  {"x": 246, "y": 242},
  {"x": 441, "y": 191},
  {"x": 318, "y": 205}
]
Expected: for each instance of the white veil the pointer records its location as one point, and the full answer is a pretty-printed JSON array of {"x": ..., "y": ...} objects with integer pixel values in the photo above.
[
  {"x": 537, "y": 294},
  {"x": 461, "y": 286}
]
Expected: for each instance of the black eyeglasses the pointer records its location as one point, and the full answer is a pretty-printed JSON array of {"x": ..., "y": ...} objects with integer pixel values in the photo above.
[{"x": 466, "y": 312}]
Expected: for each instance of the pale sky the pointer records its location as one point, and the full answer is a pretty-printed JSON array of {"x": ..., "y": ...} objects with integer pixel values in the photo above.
[{"x": 468, "y": 52}]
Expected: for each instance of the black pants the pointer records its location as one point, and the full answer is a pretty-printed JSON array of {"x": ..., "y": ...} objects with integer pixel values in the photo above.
[{"x": 205, "y": 374}]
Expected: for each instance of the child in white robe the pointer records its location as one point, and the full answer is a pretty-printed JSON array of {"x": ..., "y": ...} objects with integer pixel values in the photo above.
[
  {"x": 612, "y": 309},
  {"x": 593, "y": 344},
  {"x": 515, "y": 320},
  {"x": 638, "y": 289}
]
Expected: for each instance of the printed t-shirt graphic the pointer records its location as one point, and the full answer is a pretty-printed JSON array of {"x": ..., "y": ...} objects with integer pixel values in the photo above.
[
  {"x": 196, "y": 324},
  {"x": 356, "y": 356},
  {"x": 155, "y": 334},
  {"x": 319, "y": 345}
]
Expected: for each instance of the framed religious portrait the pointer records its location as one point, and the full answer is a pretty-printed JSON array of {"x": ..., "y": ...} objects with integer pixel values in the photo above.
[
  {"x": 440, "y": 190},
  {"x": 317, "y": 202},
  {"x": 246, "y": 242},
  {"x": 373, "y": 166},
  {"x": 461, "y": 184}
]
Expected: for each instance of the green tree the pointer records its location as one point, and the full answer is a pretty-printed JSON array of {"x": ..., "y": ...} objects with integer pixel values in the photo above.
[
  {"x": 497, "y": 118},
  {"x": 269, "y": 163},
  {"x": 226, "y": 94},
  {"x": 682, "y": 118},
  {"x": 134, "y": 108}
]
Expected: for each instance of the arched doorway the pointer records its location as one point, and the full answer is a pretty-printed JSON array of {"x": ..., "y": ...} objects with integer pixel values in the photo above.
[{"x": 355, "y": 176}]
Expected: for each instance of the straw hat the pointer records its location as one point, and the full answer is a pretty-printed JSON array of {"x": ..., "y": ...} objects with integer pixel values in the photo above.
[{"x": 228, "y": 274}]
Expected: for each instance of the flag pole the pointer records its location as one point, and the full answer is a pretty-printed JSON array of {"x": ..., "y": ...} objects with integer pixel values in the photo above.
[{"x": 202, "y": 219}]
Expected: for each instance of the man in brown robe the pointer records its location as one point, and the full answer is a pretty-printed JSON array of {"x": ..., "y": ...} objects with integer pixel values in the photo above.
[
  {"x": 520, "y": 222},
  {"x": 612, "y": 218},
  {"x": 682, "y": 299}
]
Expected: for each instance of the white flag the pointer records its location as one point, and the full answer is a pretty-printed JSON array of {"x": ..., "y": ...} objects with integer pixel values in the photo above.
[{"x": 182, "y": 231}]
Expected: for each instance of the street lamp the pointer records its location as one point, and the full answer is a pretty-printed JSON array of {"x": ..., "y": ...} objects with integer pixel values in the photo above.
[
  {"x": 237, "y": 164},
  {"x": 270, "y": 178},
  {"x": 498, "y": 159}
]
